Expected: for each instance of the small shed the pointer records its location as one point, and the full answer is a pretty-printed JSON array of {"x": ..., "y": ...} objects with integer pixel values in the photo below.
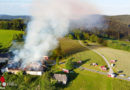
[{"x": 61, "y": 78}]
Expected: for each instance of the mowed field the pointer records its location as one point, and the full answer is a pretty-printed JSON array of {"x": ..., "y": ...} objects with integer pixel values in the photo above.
[
  {"x": 123, "y": 58},
  {"x": 6, "y": 37},
  {"x": 78, "y": 52}
]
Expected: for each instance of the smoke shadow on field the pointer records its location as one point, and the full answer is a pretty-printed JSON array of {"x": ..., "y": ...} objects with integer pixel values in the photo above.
[{"x": 77, "y": 65}]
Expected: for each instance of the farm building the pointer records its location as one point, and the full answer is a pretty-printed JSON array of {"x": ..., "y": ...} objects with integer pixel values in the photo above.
[
  {"x": 34, "y": 72},
  {"x": 103, "y": 68},
  {"x": 61, "y": 78},
  {"x": 32, "y": 68},
  {"x": 16, "y": 71}
]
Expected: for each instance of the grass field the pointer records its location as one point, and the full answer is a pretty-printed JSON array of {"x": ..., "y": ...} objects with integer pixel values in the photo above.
[
  {"x": 92, "y": 81},
  {"x": 70, "y": 46},
  {"x": 6, "y": 37},
  {"x": 117, "y": 44},
  {"x": 123, "y": 58},
  {"x": 81, "y": 53},
  {"x": 86, "y": 80}
]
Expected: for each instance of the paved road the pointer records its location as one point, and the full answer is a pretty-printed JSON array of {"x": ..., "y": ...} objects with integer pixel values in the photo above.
[
  {"x": 83, "y": 68},
  {"x": 103, "y": 73},
  {"x": 108, "y": 64}
]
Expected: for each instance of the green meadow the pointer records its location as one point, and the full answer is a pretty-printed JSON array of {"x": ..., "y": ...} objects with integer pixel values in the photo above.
[{"x": 7, "y": 36}]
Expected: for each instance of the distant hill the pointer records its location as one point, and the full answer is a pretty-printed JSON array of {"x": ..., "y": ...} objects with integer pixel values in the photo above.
[
  {"x": 9, "y": 17},
  {"x": 125, "y": 19}
]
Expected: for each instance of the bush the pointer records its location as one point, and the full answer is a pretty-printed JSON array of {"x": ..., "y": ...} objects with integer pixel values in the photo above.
[
  {"x": 100, "y": 40},
  {"x": 46, "y": 83},
  {"x": 104, "y": 43},
  {"x": 86, "y": 36},
  {"x": 93, "y": 38}
]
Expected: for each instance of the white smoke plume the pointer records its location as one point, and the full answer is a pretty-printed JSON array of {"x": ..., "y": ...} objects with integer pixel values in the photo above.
[{"x": 50, "y": 21}]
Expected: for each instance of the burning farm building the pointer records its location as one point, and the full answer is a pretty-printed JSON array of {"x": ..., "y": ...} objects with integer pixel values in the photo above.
[{"x": 33, "y": 68}]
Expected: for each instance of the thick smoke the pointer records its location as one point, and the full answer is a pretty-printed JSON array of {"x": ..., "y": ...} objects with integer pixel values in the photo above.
[{"x": 50, "y": 21}]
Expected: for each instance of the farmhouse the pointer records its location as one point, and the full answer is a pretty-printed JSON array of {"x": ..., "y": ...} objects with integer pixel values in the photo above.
[{"x": 61, "y": 78}]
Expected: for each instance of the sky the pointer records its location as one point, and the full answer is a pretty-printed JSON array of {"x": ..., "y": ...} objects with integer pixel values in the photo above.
[{"x": 107, "y": 7}]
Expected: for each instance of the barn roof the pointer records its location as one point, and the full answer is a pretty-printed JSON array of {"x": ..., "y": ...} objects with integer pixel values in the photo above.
[{"x": 60, "y": 77}]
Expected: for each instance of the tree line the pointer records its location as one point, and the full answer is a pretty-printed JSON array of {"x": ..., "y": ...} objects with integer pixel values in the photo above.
[{"x": 15, "y": 24}]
